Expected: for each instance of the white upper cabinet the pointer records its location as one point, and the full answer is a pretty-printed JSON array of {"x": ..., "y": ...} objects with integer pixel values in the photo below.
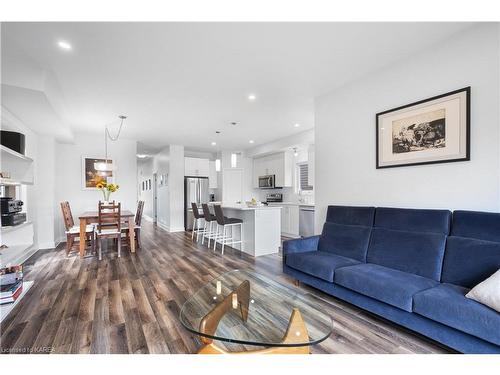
[
  {"x": 310, "y": 160},
  {"x": 212, "y": 175},
  {"x": 196, "y": 167},
  {"x": 279, "y": 165}
]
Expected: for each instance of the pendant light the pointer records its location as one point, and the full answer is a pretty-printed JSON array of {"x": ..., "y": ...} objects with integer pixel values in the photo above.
[{"x": 103, "y": 168}]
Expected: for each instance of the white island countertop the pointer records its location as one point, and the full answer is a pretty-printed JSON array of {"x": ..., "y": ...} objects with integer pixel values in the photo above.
[{"x": 245, "y": 207}]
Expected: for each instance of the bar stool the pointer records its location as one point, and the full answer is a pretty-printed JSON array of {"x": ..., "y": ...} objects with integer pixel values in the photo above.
[
  {"x": 196, "y": 221},
  {"x": 226, "y": 222},
  {"x": 208, "y": 233}
]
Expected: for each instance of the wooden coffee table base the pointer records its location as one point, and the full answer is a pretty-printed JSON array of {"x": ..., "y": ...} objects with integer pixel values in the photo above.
[{"x": 239, "y": 298}]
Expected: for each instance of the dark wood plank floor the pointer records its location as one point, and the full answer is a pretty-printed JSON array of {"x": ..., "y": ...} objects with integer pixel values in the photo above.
[{"x": 131, "y": 304}]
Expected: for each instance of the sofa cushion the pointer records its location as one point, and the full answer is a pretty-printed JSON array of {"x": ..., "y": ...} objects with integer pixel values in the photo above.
[
  {"x": 318, "y": 263},
  {"x": 415, "y": 252},
  {"x": 479, "y": 225},
  {"x": 347, "y": 240},
  {"x": 391, "y": 286},
  {"x": 469, "y": 261},
  {"x": 351, "y": 215},
  {"x": 447, "y": 304},
  {"x": 413, "y": 220}
]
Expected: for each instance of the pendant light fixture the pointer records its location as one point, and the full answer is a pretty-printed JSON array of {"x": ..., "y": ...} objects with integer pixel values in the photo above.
[{"x": 103, "y": 168}]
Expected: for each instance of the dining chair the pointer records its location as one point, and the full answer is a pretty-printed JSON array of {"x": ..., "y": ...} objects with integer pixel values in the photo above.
[
  {"x": 109, "y": 224},
  {"x": 137, "y": 225},
  {"x": 73, "y": 231}
]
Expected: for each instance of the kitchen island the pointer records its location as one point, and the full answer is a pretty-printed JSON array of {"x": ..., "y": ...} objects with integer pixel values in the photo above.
[{"x": 261, "y": 228}]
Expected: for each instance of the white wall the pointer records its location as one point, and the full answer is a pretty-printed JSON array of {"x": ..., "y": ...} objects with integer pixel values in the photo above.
[
  {"x": 69, "y": 172},
  {"x": 345, "y": 131},
  {"x": 49, "y": 218},
  {"x": 170, "y": 162},
  {"x": 145, "y": 173}
]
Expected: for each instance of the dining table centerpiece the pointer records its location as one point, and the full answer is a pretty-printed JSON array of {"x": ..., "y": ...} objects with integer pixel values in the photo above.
[{"x": 107, "y": 189}]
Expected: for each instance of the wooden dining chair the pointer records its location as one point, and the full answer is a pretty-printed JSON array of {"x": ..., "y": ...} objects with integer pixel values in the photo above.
[
  {"x": 109, "y": 224},
  {"x": 73, "y": 231},
  {"x": 137, "y": 226}
]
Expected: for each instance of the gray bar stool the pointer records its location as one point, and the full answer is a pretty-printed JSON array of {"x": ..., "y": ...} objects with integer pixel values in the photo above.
[
  {"x": 208, "y": 233},
  {"x": 226, "y": 222},
  {"x": 196, "y": 221}
]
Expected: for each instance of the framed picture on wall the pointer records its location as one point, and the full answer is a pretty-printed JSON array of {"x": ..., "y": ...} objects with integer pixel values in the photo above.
[
  {"x": 434, "y": 130},
  {"x": 90, "y": 176}
]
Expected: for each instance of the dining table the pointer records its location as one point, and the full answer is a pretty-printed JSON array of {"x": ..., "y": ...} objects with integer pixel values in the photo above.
[{"x": 91, "y": 217}]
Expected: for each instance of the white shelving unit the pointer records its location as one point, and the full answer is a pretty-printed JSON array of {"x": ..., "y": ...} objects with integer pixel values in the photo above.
[
  {"x": 20, "y": 167},
  {"x": 8, "y": 307}
]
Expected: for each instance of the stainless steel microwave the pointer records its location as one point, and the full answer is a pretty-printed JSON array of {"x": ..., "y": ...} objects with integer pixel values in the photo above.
[{"x": 267, "y": 182}]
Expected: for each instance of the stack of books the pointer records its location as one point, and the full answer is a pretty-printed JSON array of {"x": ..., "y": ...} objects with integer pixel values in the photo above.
[{"x": 11, "y": 284}]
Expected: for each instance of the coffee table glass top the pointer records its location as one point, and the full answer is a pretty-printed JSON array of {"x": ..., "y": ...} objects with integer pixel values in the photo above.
[{"x": 269, "y": 312}]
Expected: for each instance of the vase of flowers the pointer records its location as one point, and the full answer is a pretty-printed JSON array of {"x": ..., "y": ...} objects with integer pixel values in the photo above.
[{"x": 107, "y": 189}]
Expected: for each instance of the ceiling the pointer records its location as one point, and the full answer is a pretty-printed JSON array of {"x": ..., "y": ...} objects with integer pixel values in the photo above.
[{"x": 180, "y": 82}]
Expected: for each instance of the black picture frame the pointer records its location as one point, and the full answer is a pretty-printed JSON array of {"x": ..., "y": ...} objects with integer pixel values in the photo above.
[{"x": 466, "y": 90}]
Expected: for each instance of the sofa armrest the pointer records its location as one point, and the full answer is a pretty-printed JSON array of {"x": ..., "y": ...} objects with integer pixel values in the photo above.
[{"x": 300, "y": 245}]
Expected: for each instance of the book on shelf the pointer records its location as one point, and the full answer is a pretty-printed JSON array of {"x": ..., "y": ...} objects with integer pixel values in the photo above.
[
  {"x": 9, "y": 293},
  {"x": 11, "y": 283}
]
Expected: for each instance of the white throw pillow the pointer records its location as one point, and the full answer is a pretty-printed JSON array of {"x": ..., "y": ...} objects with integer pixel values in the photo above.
[{"x": 487, "y": 292}]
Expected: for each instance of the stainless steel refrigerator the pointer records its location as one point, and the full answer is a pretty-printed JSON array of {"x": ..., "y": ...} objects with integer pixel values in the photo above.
[{"x": 195, "y": 190}]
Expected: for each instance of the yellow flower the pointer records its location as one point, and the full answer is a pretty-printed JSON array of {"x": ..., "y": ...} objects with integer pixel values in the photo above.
[{"x": 99, "y": 185}]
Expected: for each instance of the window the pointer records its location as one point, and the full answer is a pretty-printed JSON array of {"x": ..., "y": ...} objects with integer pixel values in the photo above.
[{"x": 303, "y": 178}]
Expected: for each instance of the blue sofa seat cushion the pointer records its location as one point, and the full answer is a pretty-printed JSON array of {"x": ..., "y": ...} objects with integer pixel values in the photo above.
[
  {"x": 448, "y": 305},
  {"x": 391, "y": 286},
  {"x": 350, "y": 241},
  {"x": 318, "y": 263}
]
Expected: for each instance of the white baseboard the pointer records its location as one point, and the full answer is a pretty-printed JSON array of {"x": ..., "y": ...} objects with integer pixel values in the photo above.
[
  {"x": 148, "y": 218},
  {"x": 168, "y": 229},
  {"x": 47, "y": 246}
]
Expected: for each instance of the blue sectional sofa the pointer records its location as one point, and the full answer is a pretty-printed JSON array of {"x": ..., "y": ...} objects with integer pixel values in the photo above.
[{"x": 410, "y": 266}]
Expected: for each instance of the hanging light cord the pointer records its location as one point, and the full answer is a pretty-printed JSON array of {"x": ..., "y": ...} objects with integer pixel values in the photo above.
[{"x": 108, "y": 134}]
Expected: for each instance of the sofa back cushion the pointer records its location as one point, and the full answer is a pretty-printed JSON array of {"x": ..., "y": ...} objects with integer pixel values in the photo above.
[
  {"x": 410, "y": 240},
  {"x": 350, "y": 241},
  {"x": 347, "y": 231},
  {"x": 350, "y": 215},
  {"x": 474, "y": 224},
  {"x": 473, "y": 250}
]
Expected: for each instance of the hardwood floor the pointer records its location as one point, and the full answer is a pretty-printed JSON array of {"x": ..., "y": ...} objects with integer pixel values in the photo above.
[{"x": 131, "y": 304}]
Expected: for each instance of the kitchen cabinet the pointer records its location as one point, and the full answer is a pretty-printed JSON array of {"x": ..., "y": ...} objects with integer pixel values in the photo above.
[
  {"x": 311, "y": 162},
  {"x": 289, "y": 219},
  {"x": 279, "y": 164},
  {"x": 196, "y": 167},
  {"x": 212, "y": 175}
]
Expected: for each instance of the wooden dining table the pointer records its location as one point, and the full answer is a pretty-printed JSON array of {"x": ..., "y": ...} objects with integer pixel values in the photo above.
[{"x": 91, "y": 217}]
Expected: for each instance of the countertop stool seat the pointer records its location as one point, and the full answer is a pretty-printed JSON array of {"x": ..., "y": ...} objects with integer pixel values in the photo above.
[
  {"x": 196, "y": 222},
  {"x": 209, "y": 219},
  {"x": 226, "y": 223}
]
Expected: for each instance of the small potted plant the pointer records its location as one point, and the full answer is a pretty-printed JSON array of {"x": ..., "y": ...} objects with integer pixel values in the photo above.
[{"x": 107, "y": 189}]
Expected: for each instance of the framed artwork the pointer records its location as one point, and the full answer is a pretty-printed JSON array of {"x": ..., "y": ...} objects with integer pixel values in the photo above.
[
  {"x": 434, "y": 130},
  {"x": 91, "y": 177}
]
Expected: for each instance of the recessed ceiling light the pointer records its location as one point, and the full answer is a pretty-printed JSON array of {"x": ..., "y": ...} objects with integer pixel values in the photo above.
[
  {"x": 251, "y": 141},
  {"x": 252, "y": 97},
  {"x": 142, "y": 156},
  {"x": 64, "y": 45},
  {"x": 296, "y": 125},
  {"x": 213, "y": 143}
]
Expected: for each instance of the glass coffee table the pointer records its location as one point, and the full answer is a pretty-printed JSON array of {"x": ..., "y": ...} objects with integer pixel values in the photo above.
[{"x": 247, "y": 308}]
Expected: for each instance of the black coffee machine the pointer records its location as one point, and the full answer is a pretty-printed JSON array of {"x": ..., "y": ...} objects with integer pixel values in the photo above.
[{"x": 11, "y": 211}]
